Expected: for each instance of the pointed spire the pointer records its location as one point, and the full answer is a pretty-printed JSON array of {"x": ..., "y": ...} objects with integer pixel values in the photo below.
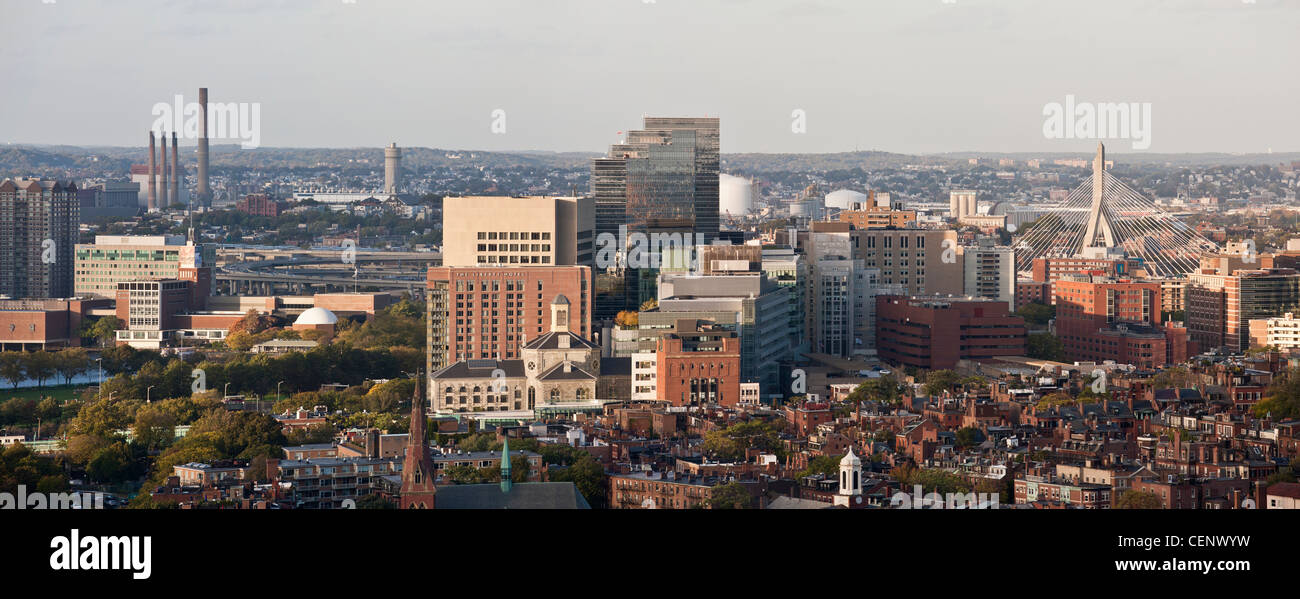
[{"x": 506, "y": 481}]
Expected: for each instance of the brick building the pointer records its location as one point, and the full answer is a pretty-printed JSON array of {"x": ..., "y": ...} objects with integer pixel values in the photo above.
[
  {"x": 698, "y": 364},
  {"x": 490, "y": 312},
  {"x": 935, "y": 332},
  {"x": 1099, "y": 318}
]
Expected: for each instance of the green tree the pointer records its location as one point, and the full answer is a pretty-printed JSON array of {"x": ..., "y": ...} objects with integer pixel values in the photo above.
[
  {"x": 13, "y": 367},
  {"x": 1282, "y": 400},
  {"x": 589, "y": 476},
  {"x": 1036, "y": 314},
  {"x": 71, "y": 363},
  {"x": 969, "y": 437},
  {"x": 41, "y": 366},
  {"x": 938, "y": 381},
  {"x": 1045, "y": 346},
  {"x": 883, "y": 389},
  {"x": 731, "y": 496},
  {"x": 104, "y": 330},
  {"x": 828, "y": 465}
]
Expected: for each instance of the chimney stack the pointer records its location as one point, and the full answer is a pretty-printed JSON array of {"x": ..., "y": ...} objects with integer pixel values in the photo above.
[
  {"x": 162, "y": 176},
  {"x": 176, "y": 166},
  {"x": 153, "y": 172},
  {"x": 205, "y": 195}
]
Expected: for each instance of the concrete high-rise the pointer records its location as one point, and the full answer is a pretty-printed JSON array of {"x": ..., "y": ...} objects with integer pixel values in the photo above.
[
  {"x": 40, "y": 226},
  {"x": 990, "y": 271}
]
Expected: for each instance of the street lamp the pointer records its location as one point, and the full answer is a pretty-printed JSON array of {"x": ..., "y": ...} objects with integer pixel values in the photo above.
[
  {"x": 147, "y": 398},
  {"x": 38, "y": 429},
  {"x": 225, "y": 391},
  {"x": 100, "y": 362},
  {"x": 277, "y": 392}
]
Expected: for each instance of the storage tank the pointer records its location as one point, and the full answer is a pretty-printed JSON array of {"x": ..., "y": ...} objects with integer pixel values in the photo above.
[{"x": 736, "y": 195}]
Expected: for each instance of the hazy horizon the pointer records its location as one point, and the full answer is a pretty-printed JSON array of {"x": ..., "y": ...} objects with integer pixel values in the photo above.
[{"x": 921, "y": 77}]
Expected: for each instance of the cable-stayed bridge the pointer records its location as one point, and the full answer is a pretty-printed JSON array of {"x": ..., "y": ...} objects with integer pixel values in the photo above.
[{"x": 1104, "y": 212}]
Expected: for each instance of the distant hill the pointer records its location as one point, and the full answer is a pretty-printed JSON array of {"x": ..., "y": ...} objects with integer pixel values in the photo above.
[{"x": 18, "y": 160}]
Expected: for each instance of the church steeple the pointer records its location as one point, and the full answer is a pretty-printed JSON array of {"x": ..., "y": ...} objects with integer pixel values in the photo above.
[
  {"x": 417, "y": 470},
  {"x": 506, "y": 481}
]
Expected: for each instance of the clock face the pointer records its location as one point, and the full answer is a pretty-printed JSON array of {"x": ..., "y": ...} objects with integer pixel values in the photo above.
[{"x": 858, "y": 499}]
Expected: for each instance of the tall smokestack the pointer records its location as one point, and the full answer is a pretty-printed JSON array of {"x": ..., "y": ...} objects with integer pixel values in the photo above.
[
  {"x": 205, "y": 196},
  {"x": 162, "y": 175},
  {"x": 176, "y": 167},
  {"x": 153, "y": 172}
]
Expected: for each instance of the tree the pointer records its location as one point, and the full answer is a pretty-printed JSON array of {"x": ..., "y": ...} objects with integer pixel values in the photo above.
[
  {"x": 627, "y": 319},
  {"x": 883, "y": 389},
  {"x": 1045, "y": 346},
  {"x": 731, "y": 496},
  {"x": 588, "y": 475},
  {"x": 41, "y": 366},
  {"x": 104, "y": 330},
  {"x": 253, "y": 323},
  {"x": 375, "y": 502},
  {"x": 828, "y": 465},
  {"x": 1035, "y": 313},
  {"x": 1177, "y": 377},
  {"x": 71, "y": 363},
  {"x": 1133, "y": 499},
  {"x": 938, "y": 381},
  {"x": 969, "y": 437},
  {"x": 154, "y": 428},
  {"x": 649, "y": 305},
  {"x": 13, "y": 368},
  {"x": 1282, "y": 400}
]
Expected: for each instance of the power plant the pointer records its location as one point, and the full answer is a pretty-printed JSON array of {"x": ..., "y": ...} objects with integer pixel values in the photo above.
[
  {"x": 164, "y": 186},
  {"x": 204, "y": 193},
  {"x": 176, "y": 172},
  {"x": 153, "y": 170}
]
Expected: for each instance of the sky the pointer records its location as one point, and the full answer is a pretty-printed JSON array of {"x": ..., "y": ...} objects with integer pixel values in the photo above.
[{"x": 909, "y": 76}]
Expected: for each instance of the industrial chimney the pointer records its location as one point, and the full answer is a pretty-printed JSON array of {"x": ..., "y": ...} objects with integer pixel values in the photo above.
[
  {"x": 392, "y": 167},
  {"x": 176, "y": 167},
  {"x": 205, "y": 195},
  {"x": 153, "y": 172},
  {"x": 162, "y": 175}
]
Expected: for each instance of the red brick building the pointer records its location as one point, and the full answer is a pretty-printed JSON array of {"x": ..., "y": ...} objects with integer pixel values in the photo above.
[
  {"x": 935, "y": 332},
  {"x": 490, "y": 312},
  {"x": 698, "y": 364},
  {"x": 1050, "y": 270},
  {"x": 258, "y": 204},
  {"x": 1099, "y": 318}
]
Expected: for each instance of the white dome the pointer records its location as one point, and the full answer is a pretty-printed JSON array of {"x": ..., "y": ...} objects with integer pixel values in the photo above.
[
  {"x": 315, "y": 316},
  {"x": 737, "y": 195},
  {"x": 850, "y": 460},
  {"x": 844, "y": 199}
]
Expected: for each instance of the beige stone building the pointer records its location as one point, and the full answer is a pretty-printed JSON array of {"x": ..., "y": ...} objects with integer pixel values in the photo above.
[
  {"x": 557, "y": 368},
  {"x": 514, "y": 231}
]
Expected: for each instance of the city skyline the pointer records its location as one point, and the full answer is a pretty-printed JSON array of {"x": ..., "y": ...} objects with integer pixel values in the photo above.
[{"x": 870, "y": 76}]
